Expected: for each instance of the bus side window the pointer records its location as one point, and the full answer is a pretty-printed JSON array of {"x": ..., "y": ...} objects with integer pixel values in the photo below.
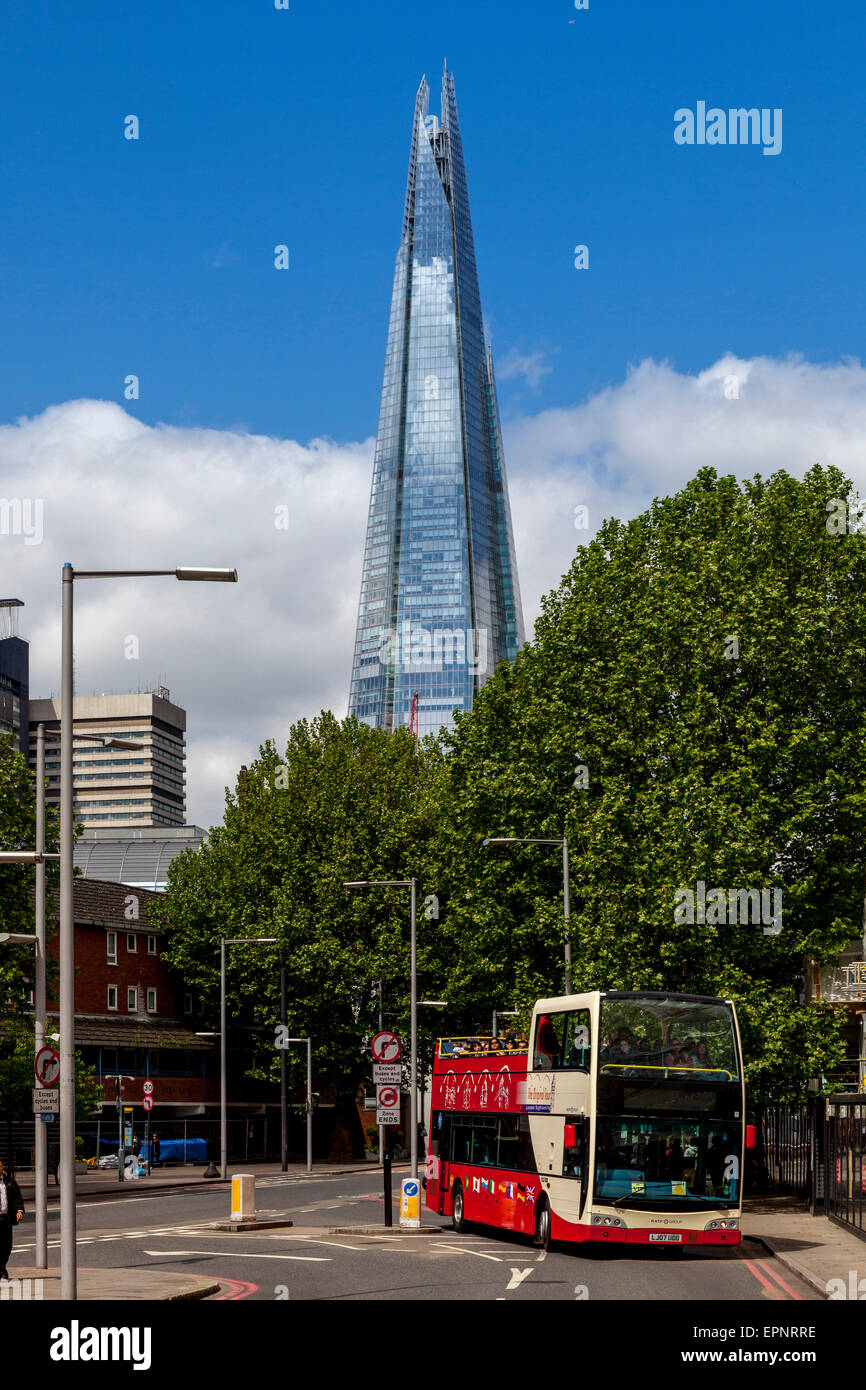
[
  {"x": 549, "y": 1033},
  {"x": 440, "y": 1142},
  {"x": 578, "y": 1049},
  {"x": 461, "y": 1140},
  {"x": 525, "y": 1157}
]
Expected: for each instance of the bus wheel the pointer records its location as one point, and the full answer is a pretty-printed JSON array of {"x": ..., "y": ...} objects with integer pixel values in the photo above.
[
  {"x": 458, "y": 1218},
  {"x": 542, "y": 1224}
]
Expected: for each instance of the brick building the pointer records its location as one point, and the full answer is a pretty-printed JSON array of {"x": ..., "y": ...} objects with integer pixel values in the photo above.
[
  {"x": 135, "y": 1016},
  {"x": 132, "y": 1014}
]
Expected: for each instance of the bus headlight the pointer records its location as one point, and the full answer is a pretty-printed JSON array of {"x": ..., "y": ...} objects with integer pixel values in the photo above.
[
  {"x": 607, "y": 1221},
  {"x": 725, "y": 1224}
]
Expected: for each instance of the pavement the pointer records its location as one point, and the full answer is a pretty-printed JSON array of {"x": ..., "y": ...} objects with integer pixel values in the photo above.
[
  {"x": 107, "y": 1285},
  {"x": 813, "y": 1247}
]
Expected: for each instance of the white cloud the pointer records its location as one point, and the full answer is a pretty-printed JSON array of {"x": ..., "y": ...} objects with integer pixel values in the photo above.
[
  {"x": 244, "y": 660},
  {"x": 532, "y": 366},
  {"x": 247, "y": 660},
  {"x": 646, "y": 436}
]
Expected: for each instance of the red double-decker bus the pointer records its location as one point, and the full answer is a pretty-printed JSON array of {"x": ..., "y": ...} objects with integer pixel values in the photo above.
[{"x": 621, "y": 1120}]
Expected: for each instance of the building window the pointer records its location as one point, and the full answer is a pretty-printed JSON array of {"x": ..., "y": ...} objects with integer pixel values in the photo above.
[
  {"x": 112, "y": 996},
  {"x": 187, "y": 1003},
  {"x": 151, "y": 945},
  {"x": 111, "y": 948},
  {"x": 132, "y": 999},
  {"x": 151, "y": 1001},
  {"x": 131, "y": 942}
]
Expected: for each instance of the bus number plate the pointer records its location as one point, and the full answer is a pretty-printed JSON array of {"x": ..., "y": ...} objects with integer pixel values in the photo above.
[{"x": 670, "y": 1237}]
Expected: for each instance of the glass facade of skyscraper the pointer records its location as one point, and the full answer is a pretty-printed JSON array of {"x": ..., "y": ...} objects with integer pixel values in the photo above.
[{"x": 440, "y": 604}]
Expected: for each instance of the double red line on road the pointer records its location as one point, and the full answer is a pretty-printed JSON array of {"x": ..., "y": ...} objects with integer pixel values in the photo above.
[
  {"x": 778, "y": 1290},
  {"x": 233, "y": 1289}
]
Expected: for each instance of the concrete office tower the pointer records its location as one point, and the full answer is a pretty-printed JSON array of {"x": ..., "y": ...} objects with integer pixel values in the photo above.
[
  {"x": 116, "y": 787},
  {"x": 440, "y": 603}
]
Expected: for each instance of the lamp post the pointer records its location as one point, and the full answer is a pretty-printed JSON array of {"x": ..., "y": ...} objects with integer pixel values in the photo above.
[
  {"x": 309, "y": 1042},
  {"x": 566, "y": 897},
  {"x": 428, "y": 1004},
  {"x": 229, "y": 941},
  {"x": 38, "y": 858},
  {"x": 68, "y": 1269},
  {"x": 413, "y": 988},
  {"x": 502, "y": 1013},
  {"x": 39, "y": 984}
]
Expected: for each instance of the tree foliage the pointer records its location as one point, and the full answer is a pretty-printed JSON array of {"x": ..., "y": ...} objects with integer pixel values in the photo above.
[
  {"x": 346, "y": 802},
  {"x": 704, "y": 663},
  {"x": 18, "y": 831},
  {"x": 690, "y": 710}
]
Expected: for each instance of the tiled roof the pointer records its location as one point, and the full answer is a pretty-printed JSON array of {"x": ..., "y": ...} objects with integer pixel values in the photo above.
[
  {"x": 93, "y": 1030},
  {"x": 102, "y": 904}
]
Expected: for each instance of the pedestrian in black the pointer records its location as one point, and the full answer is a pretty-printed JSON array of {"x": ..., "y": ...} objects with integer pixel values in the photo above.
[
  {"x": 54, "y": 1161},
  {"x": 154, "y": 1150},
  {"x": 136, "y": 1146},
  {"x": 11, "y": 1212}
]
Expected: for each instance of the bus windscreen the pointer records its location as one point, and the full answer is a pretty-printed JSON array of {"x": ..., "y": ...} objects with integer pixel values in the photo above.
[
  {"x": 658, "y": 1038},
  {"x": 668, "y": 1160}
]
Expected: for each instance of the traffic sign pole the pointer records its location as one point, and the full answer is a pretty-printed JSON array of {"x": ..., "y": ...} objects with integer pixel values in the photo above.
[
  {"x": 386, "y": 1169},
  {"x": 147, "y": 1102}
]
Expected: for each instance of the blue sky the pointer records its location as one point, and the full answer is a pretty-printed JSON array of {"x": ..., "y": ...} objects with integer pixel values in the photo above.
[
  {"x": 261, "y": 126},
  {"x": 719, "y": 322}
]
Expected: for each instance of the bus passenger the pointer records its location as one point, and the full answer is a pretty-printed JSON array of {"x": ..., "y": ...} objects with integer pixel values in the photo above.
[{"x": 546, "y": 1045}]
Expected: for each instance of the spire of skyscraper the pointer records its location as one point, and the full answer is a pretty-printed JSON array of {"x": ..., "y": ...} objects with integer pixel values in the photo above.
[{"x": 440, "y": 604}]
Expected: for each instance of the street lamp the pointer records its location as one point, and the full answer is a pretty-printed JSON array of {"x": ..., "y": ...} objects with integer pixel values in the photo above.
[
  {"x": 413, "y": 985},
  {"x": 309, "y": 1042},
  {"x": 229, "y": 941},
  {"x": 566, "y": 899},
  {"x": 17, "y": 938},
  {"x": 68, "y": 1270},
  {"x": 39, "y": 1000},
  {"x": 429, "y": 1004},
  {"x": 502, "y": 1013}
]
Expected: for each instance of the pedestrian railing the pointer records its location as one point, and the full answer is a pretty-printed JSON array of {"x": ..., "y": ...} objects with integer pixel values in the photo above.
[
  {"x": 846, "y": 1162},
  {"x": 793, "y": 1143}
]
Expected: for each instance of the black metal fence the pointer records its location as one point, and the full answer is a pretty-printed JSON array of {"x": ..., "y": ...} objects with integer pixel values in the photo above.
[
  {"x": 792, "y": 1148},
  {"x": 846, "y": 1162}
]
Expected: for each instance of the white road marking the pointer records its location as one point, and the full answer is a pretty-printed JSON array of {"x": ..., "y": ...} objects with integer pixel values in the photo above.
[
  {"x": 542, "y": 1256},
  {"x": 517, "y": 1277},
  {"x": 307, "y": 1259},
  {"x": 461, "y": 1250},
  {"x": 339, "y": 1246}
]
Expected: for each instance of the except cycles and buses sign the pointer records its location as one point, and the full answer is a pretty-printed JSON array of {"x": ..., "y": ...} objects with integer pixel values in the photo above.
[{"x": 386, "y": 1048}]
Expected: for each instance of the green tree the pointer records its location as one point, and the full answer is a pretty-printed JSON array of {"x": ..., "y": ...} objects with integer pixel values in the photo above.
[
  {"x": 691, "y": 708},
  {"x": 346, "y": 802},
  {"x": 17, "y": 1046},
  {"x": 18, "y": 831}
]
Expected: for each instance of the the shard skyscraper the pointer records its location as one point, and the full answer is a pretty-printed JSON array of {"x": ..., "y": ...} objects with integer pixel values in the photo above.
[{"x": 440, "y": 603}]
